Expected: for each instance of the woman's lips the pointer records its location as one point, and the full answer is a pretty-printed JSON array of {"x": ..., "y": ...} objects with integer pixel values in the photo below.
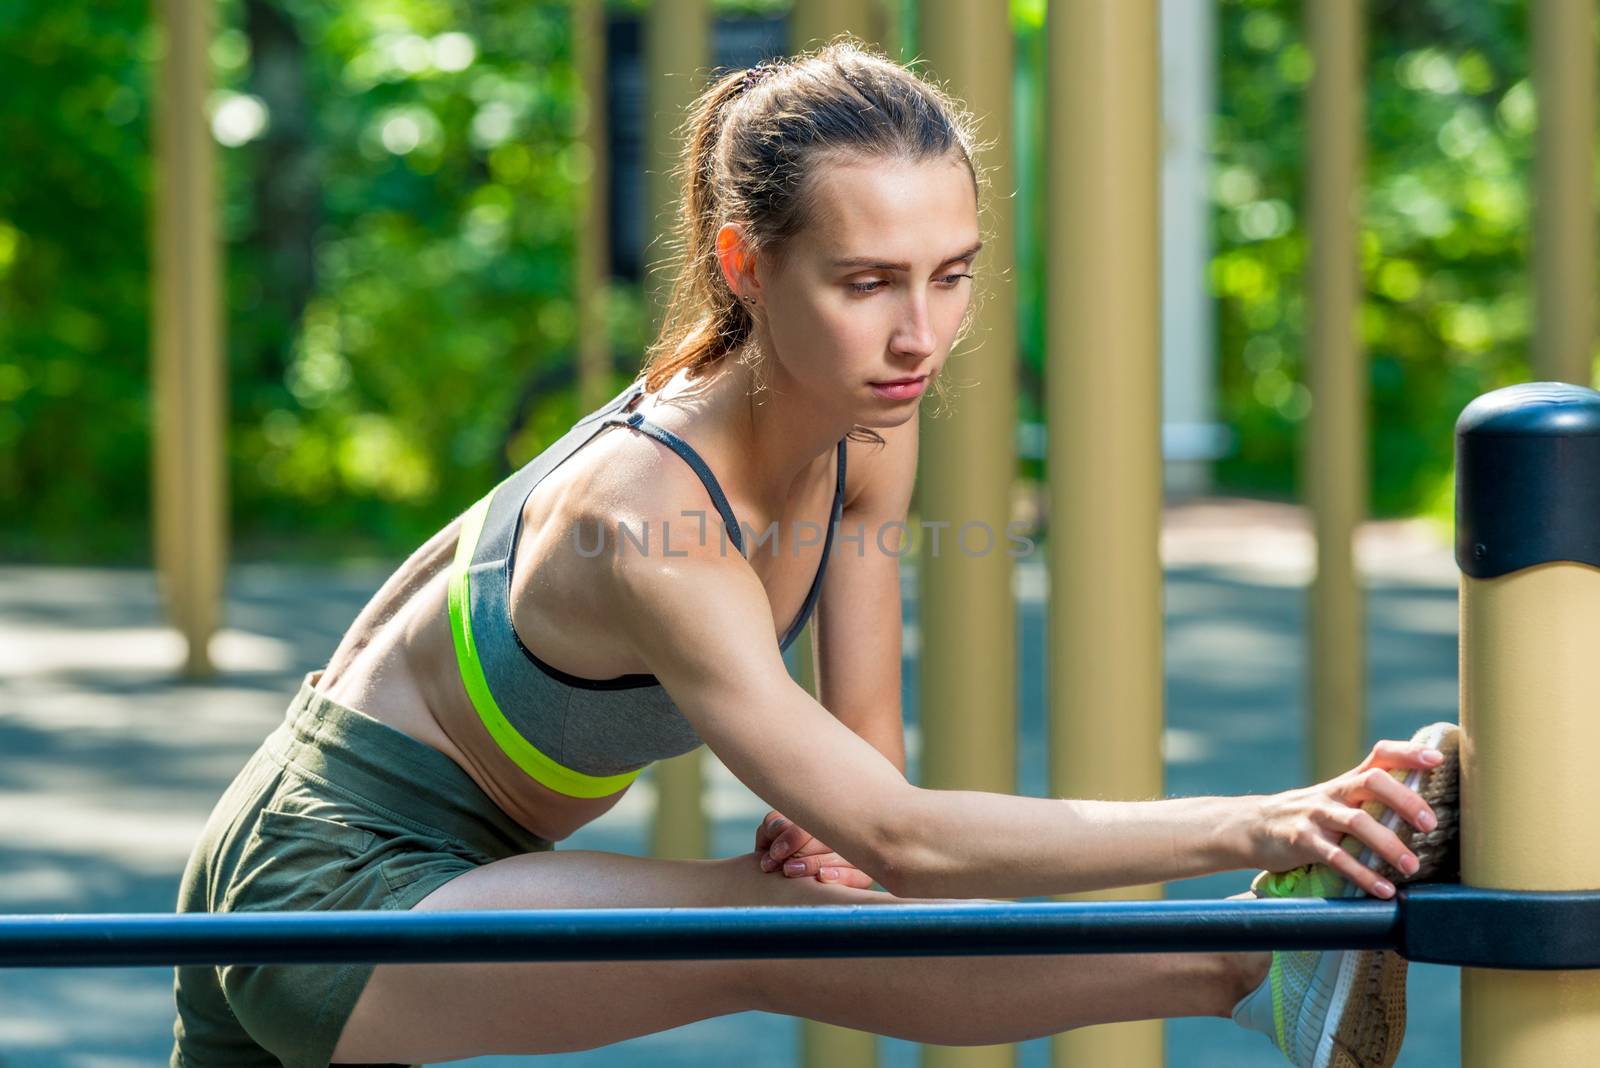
[{"x": 904, "y": 389}]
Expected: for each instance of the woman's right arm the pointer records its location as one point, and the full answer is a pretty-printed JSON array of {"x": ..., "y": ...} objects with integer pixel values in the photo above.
[{"x": 703, "y": 625}]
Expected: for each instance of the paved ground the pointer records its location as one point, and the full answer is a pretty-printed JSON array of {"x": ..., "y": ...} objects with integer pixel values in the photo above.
[{"x": 107, "y": 767}]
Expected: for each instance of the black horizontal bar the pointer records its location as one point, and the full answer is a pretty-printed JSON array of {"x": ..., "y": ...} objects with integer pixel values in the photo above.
[
  {"x": 1440, "y": 923},
  {"x": 986, "y": 929},
  {"x": 1444, "y": 923}
]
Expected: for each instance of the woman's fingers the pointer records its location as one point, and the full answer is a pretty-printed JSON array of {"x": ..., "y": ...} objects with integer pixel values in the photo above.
[
  {"x": 797, "y": 867},
  {"x": 1335, "y": 857},
  {"x": 846, "y": 877},
  {"x": 802, "y": 856},
  {"x": 790, "y": 840},
  {"x": 812, "y": 847},
  {"x": 768, "y": 830},
  {"x": 818, "y": 865},
  {"x": 1395, "y": 754},
  {"x": 1378, "y": 785},
  {"x": 1360, "y": 825}
]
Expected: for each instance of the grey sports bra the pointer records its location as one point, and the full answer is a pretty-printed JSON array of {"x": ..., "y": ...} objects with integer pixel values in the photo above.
[{"x": 580, "y": 737}]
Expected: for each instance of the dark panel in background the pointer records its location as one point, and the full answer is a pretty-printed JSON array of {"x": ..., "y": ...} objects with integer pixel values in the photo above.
[{"x": 735, "y": 43}]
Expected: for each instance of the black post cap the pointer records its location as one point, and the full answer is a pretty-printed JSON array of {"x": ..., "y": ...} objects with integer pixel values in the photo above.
[{"x": 1528, "y": 479}]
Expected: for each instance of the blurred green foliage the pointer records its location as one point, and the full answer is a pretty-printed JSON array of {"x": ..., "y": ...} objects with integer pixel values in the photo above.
[
  {"x": 399, "y": 185},
  {"x": 73, "y": 276},
  {"x": 443, "y": 140},
  {"x": 1445, "y": 220}
]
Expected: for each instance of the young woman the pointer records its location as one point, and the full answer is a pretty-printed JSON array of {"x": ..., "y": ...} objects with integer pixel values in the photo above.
[{"x": 609, "y": 605}]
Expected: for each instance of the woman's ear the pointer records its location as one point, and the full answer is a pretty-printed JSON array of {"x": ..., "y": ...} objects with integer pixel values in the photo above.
[{"x": 738, "y": 266}]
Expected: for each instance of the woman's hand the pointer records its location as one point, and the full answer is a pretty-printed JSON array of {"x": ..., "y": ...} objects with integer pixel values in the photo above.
[
  {"x": 1308, "y": 825},
  {"x": 784, "y": 845}
]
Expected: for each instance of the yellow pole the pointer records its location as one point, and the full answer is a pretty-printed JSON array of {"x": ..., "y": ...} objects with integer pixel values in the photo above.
[
  {"x": 1335, "y": 458},
  {"x": 1528, "y": 462},
  {"x": 1103, "y": 395},
  {"x": 594, "y": 233},
  {"x": 811, "y": 24},
  {"x": 677, "y": 60},
  {"x": 1563, "y": 228},
  {"x": 967, "y": 663},
  {"x": 189, "y": 509}
]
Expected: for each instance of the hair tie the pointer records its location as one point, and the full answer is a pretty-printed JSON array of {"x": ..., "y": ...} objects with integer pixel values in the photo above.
[{"x": 754, "y": 75}]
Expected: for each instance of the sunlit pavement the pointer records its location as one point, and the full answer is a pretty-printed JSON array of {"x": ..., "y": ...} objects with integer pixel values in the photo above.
[{"x": 108, "y": 768}]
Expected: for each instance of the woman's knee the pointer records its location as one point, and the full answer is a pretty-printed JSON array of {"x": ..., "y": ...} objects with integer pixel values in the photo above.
[
  {"x": 759, "y": 982},
  {"x": 749, "y": 885}
]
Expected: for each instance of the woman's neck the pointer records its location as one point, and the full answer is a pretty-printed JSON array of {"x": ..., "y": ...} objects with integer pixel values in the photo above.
[{"x": 766, "y": 441}]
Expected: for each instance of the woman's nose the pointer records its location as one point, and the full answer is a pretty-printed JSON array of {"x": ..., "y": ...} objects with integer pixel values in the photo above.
[{"x": 916, "y": 336}]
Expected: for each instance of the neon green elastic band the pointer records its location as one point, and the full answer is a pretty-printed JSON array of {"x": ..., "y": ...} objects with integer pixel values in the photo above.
[
  {"x": 1276, "y": 972},
  {"x": 556, "y": 776}
]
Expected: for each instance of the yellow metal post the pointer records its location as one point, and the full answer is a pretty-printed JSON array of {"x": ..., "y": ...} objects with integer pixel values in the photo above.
[
  {"x": 594, "y": 229},
  {"x": 813, "y": 22},
  {"x": 677, "y": 60},
  {"x": 1563, "y": 227},
  {"x": 967, "y": 663},
  {"x": 190, "y": 514},
  {"x": 1528, "y": 464},
  {"x": 1335, "y": 458},
  {"x": 1103, "y": 398}
]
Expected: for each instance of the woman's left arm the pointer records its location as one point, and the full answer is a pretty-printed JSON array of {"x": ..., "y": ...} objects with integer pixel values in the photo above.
[
  {"x": 859, "y": 615},
  {"x": 857, "y": 630}
]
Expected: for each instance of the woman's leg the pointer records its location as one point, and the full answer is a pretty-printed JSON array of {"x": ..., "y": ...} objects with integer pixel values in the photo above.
[{"x": 411, "y": 1012}]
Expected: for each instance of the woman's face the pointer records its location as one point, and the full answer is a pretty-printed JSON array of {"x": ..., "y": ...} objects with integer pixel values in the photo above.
[{"x": 834, "y": 328}]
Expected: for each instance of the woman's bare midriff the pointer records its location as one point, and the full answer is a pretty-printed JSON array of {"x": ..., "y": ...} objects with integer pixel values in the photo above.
[
  {"x": 403, "y": 673},
  {"x": 397, "y": 661}
]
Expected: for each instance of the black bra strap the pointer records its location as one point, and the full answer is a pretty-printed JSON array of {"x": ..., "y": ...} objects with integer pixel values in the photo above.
[
  {"x": 827, "y": 550},
  {"x": 692, "y": 458},
  {"x": 637, "y": 421}
]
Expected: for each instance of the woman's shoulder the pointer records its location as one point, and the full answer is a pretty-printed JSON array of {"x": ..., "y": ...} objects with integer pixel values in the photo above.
[
  {"x": 654, "y": 553},
  {"x": 632, "y": 484},
  {"x": 627, "y": 508},
  {"x": 614, "y": 513}
]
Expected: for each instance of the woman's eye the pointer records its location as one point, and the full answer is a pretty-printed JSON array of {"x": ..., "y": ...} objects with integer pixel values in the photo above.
[{"x": 951, "y": 280}]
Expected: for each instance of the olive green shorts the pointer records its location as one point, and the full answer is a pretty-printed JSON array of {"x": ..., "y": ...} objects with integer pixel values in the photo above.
[{"x": 334, "y": 811}]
